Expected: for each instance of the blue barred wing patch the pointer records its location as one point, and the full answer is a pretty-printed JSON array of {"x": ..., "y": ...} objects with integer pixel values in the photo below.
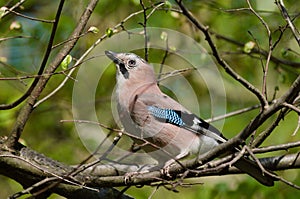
[
  {"x": 166, "y": 115},
  {"x": 187, "y": 121}
]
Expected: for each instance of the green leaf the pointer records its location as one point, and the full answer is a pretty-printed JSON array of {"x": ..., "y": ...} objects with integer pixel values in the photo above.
[
  {"x": 109, "y": 32},
  {"x": 164, "y": 36},
  {"x": 15, "y": 25},
  {"x": 173, "y": 48},
  {"x": 174, "y": 14},
  {"x": 136, "y": 2},
  {"x": 282, "y": 78},
  {"x": 93, "y": 29},
  {"x": 168, "y": 4},
  {"x": 67, "y": 60},
  {"x": 2, "y": 11},
  {"x": 3, "y": 59},
  {"x": 249, "y": 46},
  {"x": 284, "y": 52}
]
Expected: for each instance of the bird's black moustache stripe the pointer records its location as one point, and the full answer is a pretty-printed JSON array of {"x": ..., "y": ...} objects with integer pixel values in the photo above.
[{"x": 123, "y": 70}]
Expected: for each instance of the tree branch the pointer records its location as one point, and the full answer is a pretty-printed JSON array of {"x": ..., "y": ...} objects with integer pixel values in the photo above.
[
  {"x": 23, "y": 116},
  {"x": 222, "y": 62},
  {"x": 31, "y": 167},
  {"x": 256, "y": 50},
  {"x": 286, "y": 16},
  {"x": 43, "y": 65}
]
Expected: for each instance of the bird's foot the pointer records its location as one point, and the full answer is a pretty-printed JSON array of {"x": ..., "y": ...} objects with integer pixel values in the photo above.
[
  {"x": 128, "y": 177},
  {"x": 165, "y": 171}
]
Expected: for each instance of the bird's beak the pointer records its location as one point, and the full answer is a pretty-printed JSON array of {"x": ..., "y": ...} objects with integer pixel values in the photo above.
[
  {"x": 113, "y": 56},
  {"x": 119, "y": 63}
]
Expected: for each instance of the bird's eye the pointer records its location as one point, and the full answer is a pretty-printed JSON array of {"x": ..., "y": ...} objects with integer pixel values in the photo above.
[{"x": 131, "y": 63}]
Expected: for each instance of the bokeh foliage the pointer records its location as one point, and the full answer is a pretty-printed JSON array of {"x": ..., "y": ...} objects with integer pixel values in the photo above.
[{"x": 44, "y": 132}]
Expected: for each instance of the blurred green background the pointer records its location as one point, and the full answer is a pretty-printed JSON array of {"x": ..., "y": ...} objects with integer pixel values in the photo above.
[{"x": 46, "y": 134}]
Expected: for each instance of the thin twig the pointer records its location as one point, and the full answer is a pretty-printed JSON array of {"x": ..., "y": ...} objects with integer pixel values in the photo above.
[
  {"x": 222, "y": 62},
  {"x": 70, "y": 39},
  {"x": 276, "y": 147},
  {"x": 164, "y": 58},
  {"x": 144, "y": 24},
  {"x": 219, "y": 165},
  {"x": 28, "y": 17},
  {"x": 15, "y": 134},
  {"x": 28, "y": 190},
  {"x": 255, "y": 50},
  {"x": 233, "y": 113},
  {"x": 14, "y": 37},
  {"x": 287, "y": 18},
  {"x": 42, "y": 182},
  {"x": 46, "y": 74},
  {"x": 81, "y": 167},
  {"x": 269, "y": 173},
  {"x": 292, "y": 107},
  {"x": 174, "y": 73},
  {"x": 265, "y": 134},
  {"x": 18, "y": 4},
  {"x": 114, "y": 29},
  {"x": 156, "y": 7},
  {"x": 266, "y": 67},
  {"x": 94, "y": 123},
  {"x": 42, "y": 67},
  {"x": 298, "y": 126},
  {"x": 144, "y": 141}
]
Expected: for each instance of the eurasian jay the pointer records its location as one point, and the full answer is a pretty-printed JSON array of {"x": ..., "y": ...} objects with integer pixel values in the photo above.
[{"x": 150, "y": 114}]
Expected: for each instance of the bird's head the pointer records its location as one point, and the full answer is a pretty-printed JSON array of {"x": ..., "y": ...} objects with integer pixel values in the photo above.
[
  {"x": 131, "y": 67},
  {"x": 134, "y": 76}
]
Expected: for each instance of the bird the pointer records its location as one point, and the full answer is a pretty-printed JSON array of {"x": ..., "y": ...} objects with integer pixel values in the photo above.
[{"x": 171, "y": 131}]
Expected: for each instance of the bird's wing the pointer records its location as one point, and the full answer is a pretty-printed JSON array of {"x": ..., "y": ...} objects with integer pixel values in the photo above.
[{"x": 166, "y": 110}]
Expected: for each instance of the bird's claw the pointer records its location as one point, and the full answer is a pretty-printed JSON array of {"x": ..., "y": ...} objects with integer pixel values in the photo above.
[
  {"x": 128, "y": 176},
  {"x": 165, "y": 171}
]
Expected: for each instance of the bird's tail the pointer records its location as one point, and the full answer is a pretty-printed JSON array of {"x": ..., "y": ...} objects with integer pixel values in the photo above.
[{"x": 252, "y": 169}]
